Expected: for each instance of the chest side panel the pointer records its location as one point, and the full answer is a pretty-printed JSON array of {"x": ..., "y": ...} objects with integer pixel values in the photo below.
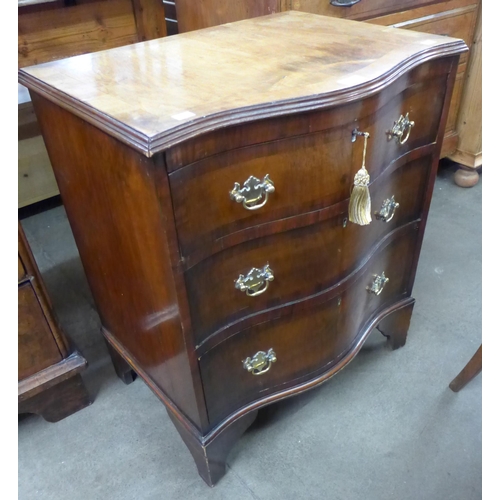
[{"x": 109, "y": 192}]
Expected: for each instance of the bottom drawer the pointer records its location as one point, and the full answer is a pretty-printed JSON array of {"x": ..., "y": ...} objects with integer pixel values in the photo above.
[{"x": 311, "y": 339}]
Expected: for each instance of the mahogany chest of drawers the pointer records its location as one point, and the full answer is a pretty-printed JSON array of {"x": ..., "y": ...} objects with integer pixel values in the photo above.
[{"x": 207, "y": 178}]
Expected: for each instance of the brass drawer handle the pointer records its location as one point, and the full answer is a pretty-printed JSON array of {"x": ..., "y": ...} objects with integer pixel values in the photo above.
[
  {"x": 252, "y": 192},
  {"x": 344, "y": 3},
  {"x": 255, "y": 282},
  {"x": 378, "y": 284},
  {"x": 388, "y": 210},
  {"x": 260, "y": 363},
  {"x": 404, "y": 124}
]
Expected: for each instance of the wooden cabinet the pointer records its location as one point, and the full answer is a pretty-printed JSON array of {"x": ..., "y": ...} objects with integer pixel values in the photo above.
[
  {"x": 455, "y": 18},
  {"x": 211, "y": 207},
  {"x": 197, "y": 15},
  {"x": 48, "y": 367},
  {"x": 469, "y": 122}
]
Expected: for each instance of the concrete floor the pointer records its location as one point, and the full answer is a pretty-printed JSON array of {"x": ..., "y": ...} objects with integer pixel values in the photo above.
[{"x": 386, "y": 427}]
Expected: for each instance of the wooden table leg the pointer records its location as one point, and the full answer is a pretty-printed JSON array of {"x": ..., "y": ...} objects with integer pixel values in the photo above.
[
  {"x": 472, "y": 368},
  {"x": 122, "y": 368}
]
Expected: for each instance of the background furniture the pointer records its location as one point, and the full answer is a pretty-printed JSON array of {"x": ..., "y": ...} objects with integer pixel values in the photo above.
[
  {"x": 49, "y": 369},
  {"x": 50, "y": 30},
  {"x": 469, "y": 124},
  {"x": 471, "y": 370},
  {"x": 197, "y": 15},
  {"x": 179, "y": 178},
  {"x": 456, "y": 18}
]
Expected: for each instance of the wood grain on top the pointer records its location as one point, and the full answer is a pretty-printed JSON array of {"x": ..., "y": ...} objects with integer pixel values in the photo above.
[{"x": 154, "y": 94}]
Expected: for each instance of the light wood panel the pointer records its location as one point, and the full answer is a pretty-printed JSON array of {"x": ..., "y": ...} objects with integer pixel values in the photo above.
[
  {"x": 52, "y": 31},
  {"x": 469, "y": 123},
  {"x": 149, "y": 19},
  {"x": 36, "y": 179}
]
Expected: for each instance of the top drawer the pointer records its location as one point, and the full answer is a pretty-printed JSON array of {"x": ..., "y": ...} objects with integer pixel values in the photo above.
[
  {"x": 360, "y": 9},
  {"x": 300, "y": 174}
]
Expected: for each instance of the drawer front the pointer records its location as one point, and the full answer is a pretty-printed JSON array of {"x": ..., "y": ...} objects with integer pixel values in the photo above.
[
  {"x": 307, "y": 341},
  {"x": 363, "y": 9},
  {"x": 303, "y": 261},
  {"x": 37, "y": 348},
  {"x": 308, "y": 172},
  {"x": 456, "y": 19}
]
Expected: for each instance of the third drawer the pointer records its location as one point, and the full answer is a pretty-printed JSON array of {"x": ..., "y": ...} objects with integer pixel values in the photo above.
[
  {"x": 308, "y": 341},
  {"x": 303, "y": 261}
]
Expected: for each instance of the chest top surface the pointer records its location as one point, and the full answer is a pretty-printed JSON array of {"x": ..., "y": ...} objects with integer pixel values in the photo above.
[{"x": 157, "y": 93}]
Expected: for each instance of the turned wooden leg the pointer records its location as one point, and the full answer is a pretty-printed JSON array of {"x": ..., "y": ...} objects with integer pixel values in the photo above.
[
  {"x": 466, "y": 177},
  {"x": 122, "y": 368},
  {"x": 471, "y": 369},
  {"x": 395, "y": 326},
  {"x": 210, "y": 452},
  {"x": 59, "y": 401}
]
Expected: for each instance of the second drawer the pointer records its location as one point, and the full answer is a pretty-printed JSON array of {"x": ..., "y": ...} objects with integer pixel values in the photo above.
[{"x": 302, "y": 261}]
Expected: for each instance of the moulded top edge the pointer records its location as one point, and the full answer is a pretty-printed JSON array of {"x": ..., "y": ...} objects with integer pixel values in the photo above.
[{"x": 154, "y": 94}]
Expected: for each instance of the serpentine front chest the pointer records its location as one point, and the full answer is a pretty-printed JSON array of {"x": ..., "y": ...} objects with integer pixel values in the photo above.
[{"x": 209, "y": 182}]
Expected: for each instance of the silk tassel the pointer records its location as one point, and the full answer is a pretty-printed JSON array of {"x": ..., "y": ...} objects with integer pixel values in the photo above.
[{"x": 360, "y": 205}]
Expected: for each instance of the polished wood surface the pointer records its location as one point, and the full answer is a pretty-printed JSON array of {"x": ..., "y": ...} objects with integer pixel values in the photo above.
[
  {"x": 49, "y": 383},
  {"x": 162, "y": 243},
  {"x": 131, "y": 101}
]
